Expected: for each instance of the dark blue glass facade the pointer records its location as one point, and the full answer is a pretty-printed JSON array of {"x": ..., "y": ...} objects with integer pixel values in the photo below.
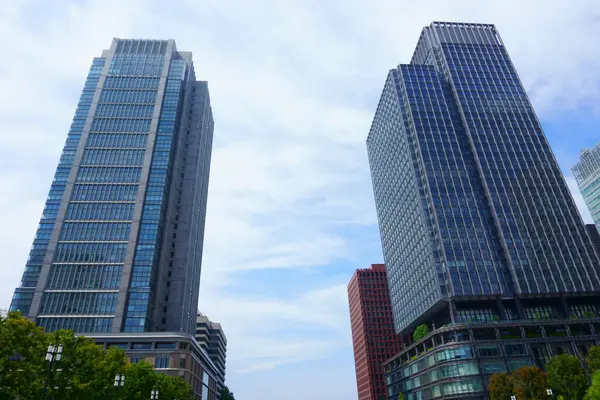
[
  {"x": 105, "y": 247},
  {"x": 470, "y": 199}
]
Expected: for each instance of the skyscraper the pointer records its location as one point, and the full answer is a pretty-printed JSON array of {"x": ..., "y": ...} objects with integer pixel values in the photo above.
[
  {"x": 119, "y": 244},
  {"x": 373, "y": 337},
  {"x": 587, "y": 175},
  {"x": 476, "y": 220},
  {"x": 211, "y": 337}
]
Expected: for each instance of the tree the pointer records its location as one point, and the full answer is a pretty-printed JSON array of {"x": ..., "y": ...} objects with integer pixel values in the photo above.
[
  {"x": 593, "y": 392},
  {"x": 529, "y": 383},
  {"x": 173, "y": 388},
  {"x": 593, "y": 358},
  {"x": 501, "y": 387},
  {"x": 226, "y": 394},
  {"x": 84, "y": 372},
  {"x": 566, "y": 376},
  {"x": 420, "y": 332},
  {"x": 22, "y": 353},
  {"x": 400, "y": 396},
  {"x": 140, "y": 379}
]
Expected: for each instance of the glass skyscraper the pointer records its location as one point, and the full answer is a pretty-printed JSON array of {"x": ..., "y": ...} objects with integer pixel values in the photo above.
[
  {"x": 587, "y": 175},
  {"x": 119, "y": 244},
  {"x": 476, "y": 220}
]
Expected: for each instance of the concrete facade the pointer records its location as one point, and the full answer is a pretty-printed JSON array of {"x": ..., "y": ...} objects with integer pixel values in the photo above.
[{"x": 211, "y": 337}]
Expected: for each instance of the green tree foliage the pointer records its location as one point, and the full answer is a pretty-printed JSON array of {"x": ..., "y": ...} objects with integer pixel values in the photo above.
[
  {"x": 22, "y": 352},
  {"x": 529, "y": 383},
  {"x": 84, "y": 372},
  {"x": 400, "y": 396},
  {"x": 226, "y": 394},
  {"x": 173, "y": 388},
  {"x": 566, "y": 376},
  {"x": 593, "y": 392},
  {"x": 140, "y": 379},
  {"x": 593, "y": 358},
  {"x": 420, "y": 332},
  {"x": 501, "y": 387}
]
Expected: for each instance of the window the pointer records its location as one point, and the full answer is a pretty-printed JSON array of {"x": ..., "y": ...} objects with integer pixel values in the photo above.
[
  {"x": 134, "y": 360},
  {"x": 488, "y": 351},
  {"x": 516, "y": 349},
  {"x": 493, "y": 367},
  {"x": 161, "y": 362},
  {"x": 514, "y": 365},
  {"x": 166, "y": 346}
]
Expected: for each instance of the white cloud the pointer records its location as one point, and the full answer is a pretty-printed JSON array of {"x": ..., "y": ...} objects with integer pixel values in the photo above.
[{"x": 293, "y": 85}]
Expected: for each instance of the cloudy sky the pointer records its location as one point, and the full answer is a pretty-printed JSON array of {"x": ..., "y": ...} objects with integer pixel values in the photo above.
[{"x": 294, "y": 84}]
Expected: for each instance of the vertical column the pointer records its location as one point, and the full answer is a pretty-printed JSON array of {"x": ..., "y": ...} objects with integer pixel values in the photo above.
[{"x": 121, "y": 305}]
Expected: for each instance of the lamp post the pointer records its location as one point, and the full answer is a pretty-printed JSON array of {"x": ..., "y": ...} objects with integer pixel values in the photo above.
[
  {"x": 154, "y": 394},
  {"x": 119, "y": 382},
  {"x": 53, "y": 354},
  {"x": 513, "y": 397}
]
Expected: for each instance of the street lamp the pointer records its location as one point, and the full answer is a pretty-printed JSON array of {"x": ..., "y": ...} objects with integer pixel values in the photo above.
[
  {"x": 119, "y": 382},
  {"x": 513, "y": 397},
  {"x": 549, "y": 392},
  {"x": 53, "y": 354},
  {"x": 154, "y": 394}
]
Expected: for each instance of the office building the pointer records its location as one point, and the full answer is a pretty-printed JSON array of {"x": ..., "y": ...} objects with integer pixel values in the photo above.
[
  {"x": 211, "y": 337},
  {"x": 119, "y": 246},
  {"x": 481, "y": 238},
  {"x": 373, "y": 337},
  {"x": 587, "y": 175}
]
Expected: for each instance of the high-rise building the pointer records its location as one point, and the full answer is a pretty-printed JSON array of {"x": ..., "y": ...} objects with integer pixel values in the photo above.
[
  {"x": 587, "y": 175},
  {"x": 211, "y": 337},
  {"x": 373, "y": 337},
  {"x": 594, "y": 235},
  {"x": 481, "y": 237},
  {"x": 119, "y": 245},
  {"x": 118, "y": 249}
]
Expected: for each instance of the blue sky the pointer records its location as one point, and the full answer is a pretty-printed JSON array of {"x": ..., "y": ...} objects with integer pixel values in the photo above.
[{"x": 294, "y": 85}]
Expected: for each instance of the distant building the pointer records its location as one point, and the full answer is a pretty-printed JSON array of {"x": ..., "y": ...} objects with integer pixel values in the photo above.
[
  {"x": 594, "y": 235},
  {"x": 587, "y": 175},
  {"x": 210, "y": 337},
  {"x": 373, "y": 336}
]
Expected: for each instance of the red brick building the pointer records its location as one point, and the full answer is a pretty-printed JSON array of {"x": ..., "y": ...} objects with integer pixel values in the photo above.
[{"x": 373, "y": 336}]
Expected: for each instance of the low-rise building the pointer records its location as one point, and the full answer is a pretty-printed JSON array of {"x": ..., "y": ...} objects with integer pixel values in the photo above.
[
  {"x": 176, "y": 354},
  {"x": 211, "y": 337}
]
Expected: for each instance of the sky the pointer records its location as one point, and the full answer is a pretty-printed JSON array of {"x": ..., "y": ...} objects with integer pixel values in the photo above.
[{"x": 294, "y": 85}]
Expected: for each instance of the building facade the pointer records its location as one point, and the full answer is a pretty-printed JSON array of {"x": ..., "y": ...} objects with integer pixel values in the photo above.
[
  {"x": 211, "y": 337},
  {"x": 587, "y": 175},
  {"x": 373, "y": 337},
  {"x": 119, "y": 244},
  {"x": 476, "y": 220},
  {"x": 594, "y": 235},
  {"x": 175, "y": 354}
]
